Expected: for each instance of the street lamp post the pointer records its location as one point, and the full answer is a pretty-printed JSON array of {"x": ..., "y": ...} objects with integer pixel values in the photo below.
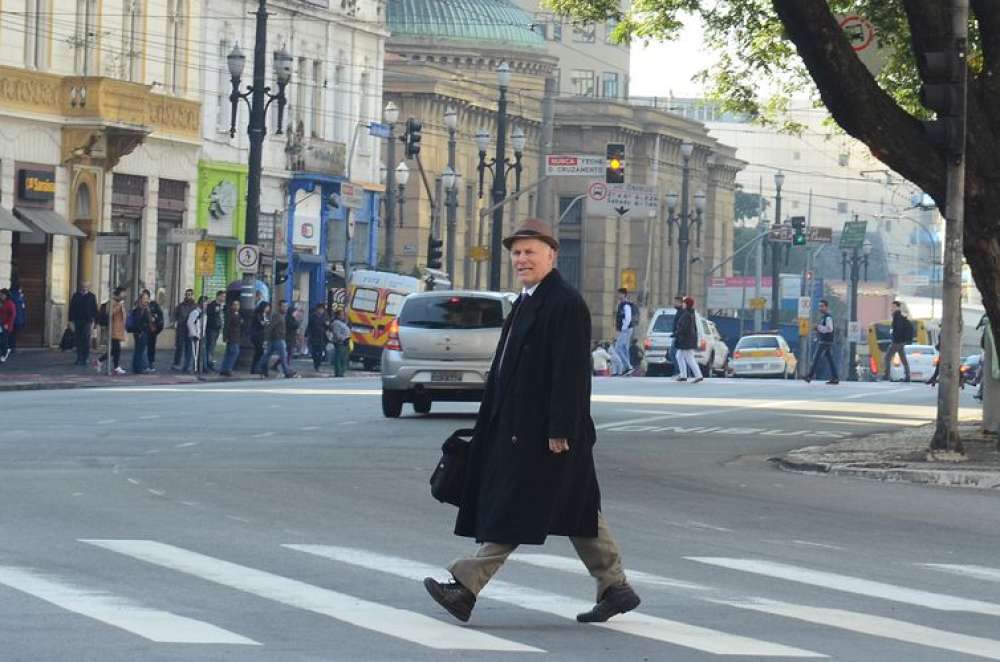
[
  {"x": 402, "y": 176},
  {"x": 450, "y": 181},
  {"x": 683, "y": 239},
  {"x": 499, "y": 167},
  {"x": 779, "y": 180},
  {"x": 391, "y": 116},
  {"x": 857, "y": 259},
  {"x": 257, "y": 93}
]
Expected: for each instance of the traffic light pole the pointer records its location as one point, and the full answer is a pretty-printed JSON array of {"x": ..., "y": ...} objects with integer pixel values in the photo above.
[{"x": 775, "y": 270}]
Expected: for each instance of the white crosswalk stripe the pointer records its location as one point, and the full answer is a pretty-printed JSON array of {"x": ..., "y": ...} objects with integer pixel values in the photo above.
[
  {"x": 634, "y": 623},
  {"x": 855, "y": 585},
  {"x": 390, "y": 621},
  {"x": 975, "y": 571},
  {"x": 877, "y": 626},
  {"x": 152, "y": 624}
]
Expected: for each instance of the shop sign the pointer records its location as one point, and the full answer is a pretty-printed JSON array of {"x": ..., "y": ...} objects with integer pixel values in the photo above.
[
  {"x": 325, "y": 157},
  {"x": 36, "y": 185}
]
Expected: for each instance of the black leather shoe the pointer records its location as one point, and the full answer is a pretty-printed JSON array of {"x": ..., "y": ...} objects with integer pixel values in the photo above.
[
  {"x": 616, "y": 600},
  {"x": 454, "y": 597}
]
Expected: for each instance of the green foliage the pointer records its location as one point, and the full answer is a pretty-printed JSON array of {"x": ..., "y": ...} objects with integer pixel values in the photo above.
[{"x": 748, "y": 205}]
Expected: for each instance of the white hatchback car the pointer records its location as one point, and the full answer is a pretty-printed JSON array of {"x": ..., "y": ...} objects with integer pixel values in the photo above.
[{"x": 922, "y": 359}]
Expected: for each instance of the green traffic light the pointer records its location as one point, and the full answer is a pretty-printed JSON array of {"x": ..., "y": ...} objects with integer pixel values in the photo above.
[{"x": 799, "y": 239}]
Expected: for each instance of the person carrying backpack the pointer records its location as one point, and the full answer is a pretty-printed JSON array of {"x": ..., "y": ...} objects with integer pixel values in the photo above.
[
  {"x": 902, "y": 335},
  {"x": 626, "y": 319}
]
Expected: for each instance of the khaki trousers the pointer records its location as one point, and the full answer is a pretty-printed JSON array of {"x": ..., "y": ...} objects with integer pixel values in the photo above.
[{"x": 600, "y": 555}]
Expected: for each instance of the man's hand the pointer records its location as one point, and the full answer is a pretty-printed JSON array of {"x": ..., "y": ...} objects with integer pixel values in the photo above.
[{"x": 558, "y": 445}]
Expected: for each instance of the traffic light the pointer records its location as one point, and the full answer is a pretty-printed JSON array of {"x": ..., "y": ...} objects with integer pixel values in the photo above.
[
  {"x": 280, "y": 272},
  {"x": 942, "y": 92},
  {"x": 413, "y": 137},
  {"x": 434, "y": 252},
  {"x": 799, "y": 225},
  {"x": 615, "y": 173}
]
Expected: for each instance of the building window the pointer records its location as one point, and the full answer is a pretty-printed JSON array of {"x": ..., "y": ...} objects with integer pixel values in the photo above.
[
  {"x": 85, "y": 38},
  {"x": 222, "y": 84},
  {"x": 174, "y": 55},
  {"x": 317, "y": 99},
  {"x": 340, "y": 98},
  {"x": 575, "y": 214},
  {"x": 301, "y": 81},
  {"x": 841, "y": 207},
  {"x": 132, "y": 45},
  {"x": 609, "y": 83},
  {"x": 37, "y": 33},
  {"x": 583, "y": 82},
  {"x": 584, "y": 34},
  {"x": 541, "y": 26},
  {"x": 609, "y": 29},
  {"x": 556, "y": 29},
  {"x": 569, "y": 261}
]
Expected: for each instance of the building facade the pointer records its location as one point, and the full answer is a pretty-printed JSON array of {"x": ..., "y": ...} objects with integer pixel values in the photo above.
[{"x": 99, "y": 133}]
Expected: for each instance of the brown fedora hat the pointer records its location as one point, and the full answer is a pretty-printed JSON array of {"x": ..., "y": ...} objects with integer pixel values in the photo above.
[{"x": 532, "y": 228}]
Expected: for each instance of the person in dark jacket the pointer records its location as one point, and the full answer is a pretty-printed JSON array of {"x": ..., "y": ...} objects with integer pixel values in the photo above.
[
  {"x": 316, "y": 333},
  {"x": 678, "y": 307},
  {"x": 530, "y": 471},
  {"x": 82, "y": 313},
  {"x": 232, "y": 334},
  {"x": 181, "y": 313},
  {"x": 293, "y": 321},
  {"x": 902, "y": 335},
  {"x": 824, "y": 343},
  {"x": 260, "y": 327},
  {"x": 686, "y": 341},
  {"x": 156, "y": 326},
  {"x": 277, "y": 333},
  {"x": 8, "y": 314},
  {"x": 214, "y": 314},
  {"x": 142, "y": 325},
  {"x": 20, "y": 317}
]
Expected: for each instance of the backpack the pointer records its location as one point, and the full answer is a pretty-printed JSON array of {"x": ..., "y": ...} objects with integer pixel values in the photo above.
[
  {"x": 102, "y": 315},
  {"x": 130, "y": 322}
]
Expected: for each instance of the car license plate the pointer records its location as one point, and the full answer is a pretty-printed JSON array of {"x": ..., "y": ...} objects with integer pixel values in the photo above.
[
  {"x": 446, "y": 376},
  {"x": 756, "y": 366}
]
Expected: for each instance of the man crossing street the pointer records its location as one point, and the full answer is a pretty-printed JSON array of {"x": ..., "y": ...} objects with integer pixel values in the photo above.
[{"x": 824, "y": 346}]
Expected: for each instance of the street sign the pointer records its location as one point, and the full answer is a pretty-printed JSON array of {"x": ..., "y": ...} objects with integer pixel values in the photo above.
[
  {"x": 574, "y": 165},
  {"x": 805, "y": 307},
  {"x": 379, "y": 130},
  {"x": 853, "y": 235},
  {"x": 352, "y": 196},
  {"x": 758, "y": 303},
  {"x": 863, "y": 37},
  {"x": 479, "y": 253},
  {"x": 814, "y": 235},
  {"x": 914, "y": 280},
  {"x": 640, "y": 201},
  {"x": 185, "y": 235},
  {"x": 112, "y": 244},
  {"x": 854, "y": 332},
  {"x": 204, "y": 258},
  {"x": 629, "y": 280},
  {"x": 247, "y": 258},
  {"x": 803, "y": 326},
  {"x": 409, "y": 249}
]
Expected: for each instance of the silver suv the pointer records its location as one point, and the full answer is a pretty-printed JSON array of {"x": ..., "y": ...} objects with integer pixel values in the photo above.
[{"x": 440, "y": 347}]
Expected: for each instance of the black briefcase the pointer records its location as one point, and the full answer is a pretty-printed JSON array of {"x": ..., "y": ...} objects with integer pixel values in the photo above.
[{"x": 448, "y": 478}]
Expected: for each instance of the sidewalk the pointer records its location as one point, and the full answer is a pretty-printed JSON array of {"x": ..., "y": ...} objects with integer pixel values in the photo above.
[
  {"x": 38, "y": 369},
  {"x": 903, "y": 456}
]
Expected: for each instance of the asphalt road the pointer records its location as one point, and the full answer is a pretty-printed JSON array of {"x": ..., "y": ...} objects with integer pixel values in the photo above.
[{"x": 288, "y": 520}]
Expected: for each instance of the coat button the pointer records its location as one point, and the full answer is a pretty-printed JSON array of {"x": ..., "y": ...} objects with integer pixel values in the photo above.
[{"x": 513, "y": 440}]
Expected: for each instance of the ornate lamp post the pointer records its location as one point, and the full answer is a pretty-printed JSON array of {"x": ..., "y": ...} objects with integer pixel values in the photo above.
[
  {"x": 391, "y": 116},
  {"x": 450, "y": 180},
  {"x": 402, "y": 176},
  {"x": 684, "y": 236},
  {"x": 255, "y": 96},
  {"x": 779, "y": 181}
]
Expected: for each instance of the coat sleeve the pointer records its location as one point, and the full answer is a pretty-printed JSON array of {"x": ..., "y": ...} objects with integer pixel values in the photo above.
[{"x": 570, "y": 389}]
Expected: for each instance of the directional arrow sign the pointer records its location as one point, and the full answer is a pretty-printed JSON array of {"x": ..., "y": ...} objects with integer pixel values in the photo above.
[{"x": 639, "y": 200}]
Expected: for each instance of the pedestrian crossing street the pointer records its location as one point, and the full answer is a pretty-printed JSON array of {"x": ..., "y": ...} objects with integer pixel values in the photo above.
[{"x": 534, "y": 608}]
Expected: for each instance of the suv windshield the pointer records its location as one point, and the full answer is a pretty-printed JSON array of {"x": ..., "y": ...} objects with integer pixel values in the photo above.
[
  {"x": 765, "y": 342},
  {"x": 664, "y": 323},
  {"x": 452, "y": 312}
]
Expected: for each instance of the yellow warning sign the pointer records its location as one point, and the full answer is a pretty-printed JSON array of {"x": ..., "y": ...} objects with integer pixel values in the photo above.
[
  {"x": 204, "y": 258},
  {"x": 479, "y": 253},
  {"x": 803, "y": 326},
  {"x": 629, "y": 280},
  {"x": 758, "y": 303}
]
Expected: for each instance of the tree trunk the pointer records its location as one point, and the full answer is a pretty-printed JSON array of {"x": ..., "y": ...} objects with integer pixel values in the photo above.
[{"x": 991, "y": 393}]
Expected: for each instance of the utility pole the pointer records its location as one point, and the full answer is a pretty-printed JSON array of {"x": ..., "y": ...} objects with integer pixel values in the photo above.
[
  {"x": 545, "y": 211},
  {"x": 779, "y": 180},
  {"x": 952, "y": 116},
  {"x": 451, "y": 190},
  {"x": 683, "y": 236},
  {"x": 391, "y": 116},
  {"x": 758, "y": 314}
]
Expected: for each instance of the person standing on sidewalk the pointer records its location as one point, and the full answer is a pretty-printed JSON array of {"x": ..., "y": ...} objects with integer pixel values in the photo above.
[
  {"x": 140, "y": 324},
  {"x": 276, "y": 345},
  {"x": 341, "y": 334},
  {"x": 82, "y": 313},
  {"x": 293, "y": 321},
  {"x": 8, "y": 315},
  {"x": 194, "y": 357},
  {"x": 686, "y": 342},
  {"x": 626, "y": 318},
  {"x": 232, "y": 334},
  {"x": 181, "y": 313},
  {"x": 114, "y": 309},
  {"x": 20, "y": 316},
  {"x": 824, "y": 343},
  {"x": 678, "y": 307},
  {"x": 316, "y": 334},
  {"x": 156, "y": 326},
  {"x": 902, "y": 335},
  {"x": 530, "y": 471},
  {"x": 259, "y": 330},
  {"x": 215, "y": 312}
]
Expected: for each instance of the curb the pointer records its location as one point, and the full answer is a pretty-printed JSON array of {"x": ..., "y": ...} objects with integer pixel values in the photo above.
[
  {"x": 69, "y": 385},
  {"x": 897, "y": 474}
]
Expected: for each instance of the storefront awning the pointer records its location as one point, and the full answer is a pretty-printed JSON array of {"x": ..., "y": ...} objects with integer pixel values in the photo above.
[
  {"x": 308, "y": 258},
  {"x": 47, "y": 221},
  {"x": 8, "y": 222}
]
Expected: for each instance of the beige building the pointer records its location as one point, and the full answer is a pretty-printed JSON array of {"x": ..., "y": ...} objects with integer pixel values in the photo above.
[
  {"x": 99, "y": 132},
  {"x": 436, "y": 61}
]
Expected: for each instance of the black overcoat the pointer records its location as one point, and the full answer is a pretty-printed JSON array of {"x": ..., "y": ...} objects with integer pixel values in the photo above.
[{"x": 516, "y": 490}]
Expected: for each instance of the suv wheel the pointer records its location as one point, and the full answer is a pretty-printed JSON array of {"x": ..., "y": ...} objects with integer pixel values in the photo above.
[
  {"x": 392, "y": 403},
  {"x": 422, "y": 405},
  {"x": 706, "y": 370}
]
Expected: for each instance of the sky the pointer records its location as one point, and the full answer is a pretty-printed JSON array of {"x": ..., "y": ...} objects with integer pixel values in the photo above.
[{"x": 665, "y": 67}]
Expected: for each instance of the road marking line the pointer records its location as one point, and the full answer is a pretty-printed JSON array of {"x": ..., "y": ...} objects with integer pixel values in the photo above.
[
  {"x": 859, "y": 419},
  {"x": 634, "y": 623},
  {"x": 107, "y": 421},
  {"x": 804, "y": 543},
  {"x": 262, "y": 435},
  {"x": 153, "y": 624},
  {"x": 133, "y": 481},
  {"x": 186, "y": 444},
  {"x": 390, "y": 621},
  {"x": 309, "y": 428},
  {"x": 974, "y": 571},
  {"x": 150, "y": 417},
  {"x": 157, "y": 492},
  {"x": 877, "y": 626},
  {"x": 855, "y": 585}
]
